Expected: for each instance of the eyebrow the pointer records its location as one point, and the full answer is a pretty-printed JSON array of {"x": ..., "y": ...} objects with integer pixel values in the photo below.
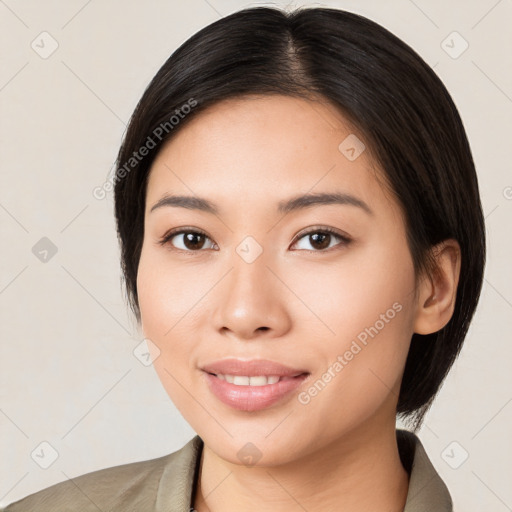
[{"x": 293, "y": 204}]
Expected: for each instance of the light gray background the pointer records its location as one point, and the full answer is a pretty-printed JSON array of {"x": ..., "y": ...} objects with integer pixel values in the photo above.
[{"x": 68, "y": 373}]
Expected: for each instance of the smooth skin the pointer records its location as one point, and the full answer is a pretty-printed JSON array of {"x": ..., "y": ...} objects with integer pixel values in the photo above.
[{"x": 202, "y": 302}]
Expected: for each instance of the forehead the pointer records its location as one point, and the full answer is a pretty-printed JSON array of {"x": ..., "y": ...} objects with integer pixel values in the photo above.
[{"x": 270, "y": 147}]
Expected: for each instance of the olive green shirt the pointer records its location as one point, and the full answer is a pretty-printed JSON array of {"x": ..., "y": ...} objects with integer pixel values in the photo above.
[{"x": 167, "y": 484}]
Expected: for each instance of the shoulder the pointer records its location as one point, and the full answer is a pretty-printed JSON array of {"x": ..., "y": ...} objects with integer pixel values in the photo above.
[{"x": 127, "y": 487}]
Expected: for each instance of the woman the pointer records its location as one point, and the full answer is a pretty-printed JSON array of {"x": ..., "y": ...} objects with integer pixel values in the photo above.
[{"x": 303, "y": 245}]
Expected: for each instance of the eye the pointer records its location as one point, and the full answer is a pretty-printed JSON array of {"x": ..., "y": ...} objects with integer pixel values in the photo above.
[
  {"x": 190, "y": 240},
  {"x": 193, "y": 240},
  {"x": 320, "y": 239}
]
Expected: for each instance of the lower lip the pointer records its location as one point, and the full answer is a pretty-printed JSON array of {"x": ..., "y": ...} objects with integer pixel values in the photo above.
[{"x": 252, "y": 398}]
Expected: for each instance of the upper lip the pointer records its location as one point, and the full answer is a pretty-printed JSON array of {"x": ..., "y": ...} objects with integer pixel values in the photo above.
[{"x": 251, "y": 368}]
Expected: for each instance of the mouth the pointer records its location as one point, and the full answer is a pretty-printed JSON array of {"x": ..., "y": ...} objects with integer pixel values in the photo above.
[
  {"x": 255, "y": 380},
  {"x": 252, "y": 385}
]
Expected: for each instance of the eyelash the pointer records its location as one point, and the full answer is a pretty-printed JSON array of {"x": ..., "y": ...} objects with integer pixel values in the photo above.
[{"x": 345, "y": 240}]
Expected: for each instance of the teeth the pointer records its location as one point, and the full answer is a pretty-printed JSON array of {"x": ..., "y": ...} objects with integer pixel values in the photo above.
[{"x": 243, "y": 380}]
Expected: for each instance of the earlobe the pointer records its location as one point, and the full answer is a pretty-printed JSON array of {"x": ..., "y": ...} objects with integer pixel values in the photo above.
[{"x": 437, "y": 293}]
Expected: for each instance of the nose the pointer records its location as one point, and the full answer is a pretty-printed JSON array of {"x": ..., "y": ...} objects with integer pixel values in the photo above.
[{"x": 252, "y": 302}]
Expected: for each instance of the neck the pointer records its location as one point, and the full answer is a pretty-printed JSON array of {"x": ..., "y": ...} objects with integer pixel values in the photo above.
[{"x": 361, "y": 471}]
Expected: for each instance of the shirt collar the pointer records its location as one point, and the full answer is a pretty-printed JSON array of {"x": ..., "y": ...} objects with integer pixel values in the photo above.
[{"x": 427, "y": 491}]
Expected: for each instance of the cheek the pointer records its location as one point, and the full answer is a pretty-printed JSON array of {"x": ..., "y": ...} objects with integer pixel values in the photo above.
[
  {"x": 368, "y": 303},
  {"x": 162, "y": 293},
  {"x": 173, "y": 300},
  {"x": 167, "y": 294},
  {"x": 342, "y": 296}
]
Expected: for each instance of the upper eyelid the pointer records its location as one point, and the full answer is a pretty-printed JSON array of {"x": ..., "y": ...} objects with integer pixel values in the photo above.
[{"x": 320, "y": 229}]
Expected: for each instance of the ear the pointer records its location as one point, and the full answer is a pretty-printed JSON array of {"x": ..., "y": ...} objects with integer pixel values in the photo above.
[{"x": 437, "y": 293}]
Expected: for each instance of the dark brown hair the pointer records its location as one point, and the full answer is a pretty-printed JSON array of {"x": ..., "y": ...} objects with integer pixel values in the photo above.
[{"x": 408, "y": 119}]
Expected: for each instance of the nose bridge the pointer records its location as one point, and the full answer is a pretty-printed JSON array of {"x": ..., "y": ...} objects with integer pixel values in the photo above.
[
  {"x": 251, "y": 297},
  {"x": 250, "y": 275}
]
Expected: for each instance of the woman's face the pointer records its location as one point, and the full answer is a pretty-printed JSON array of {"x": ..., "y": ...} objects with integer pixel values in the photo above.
[{"x": 262, "y": 280}]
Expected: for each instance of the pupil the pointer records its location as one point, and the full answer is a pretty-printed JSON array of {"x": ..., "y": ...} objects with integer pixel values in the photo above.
[
  {"x": 323, "y": 242},
  {"x": 191, "y": 240}
]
